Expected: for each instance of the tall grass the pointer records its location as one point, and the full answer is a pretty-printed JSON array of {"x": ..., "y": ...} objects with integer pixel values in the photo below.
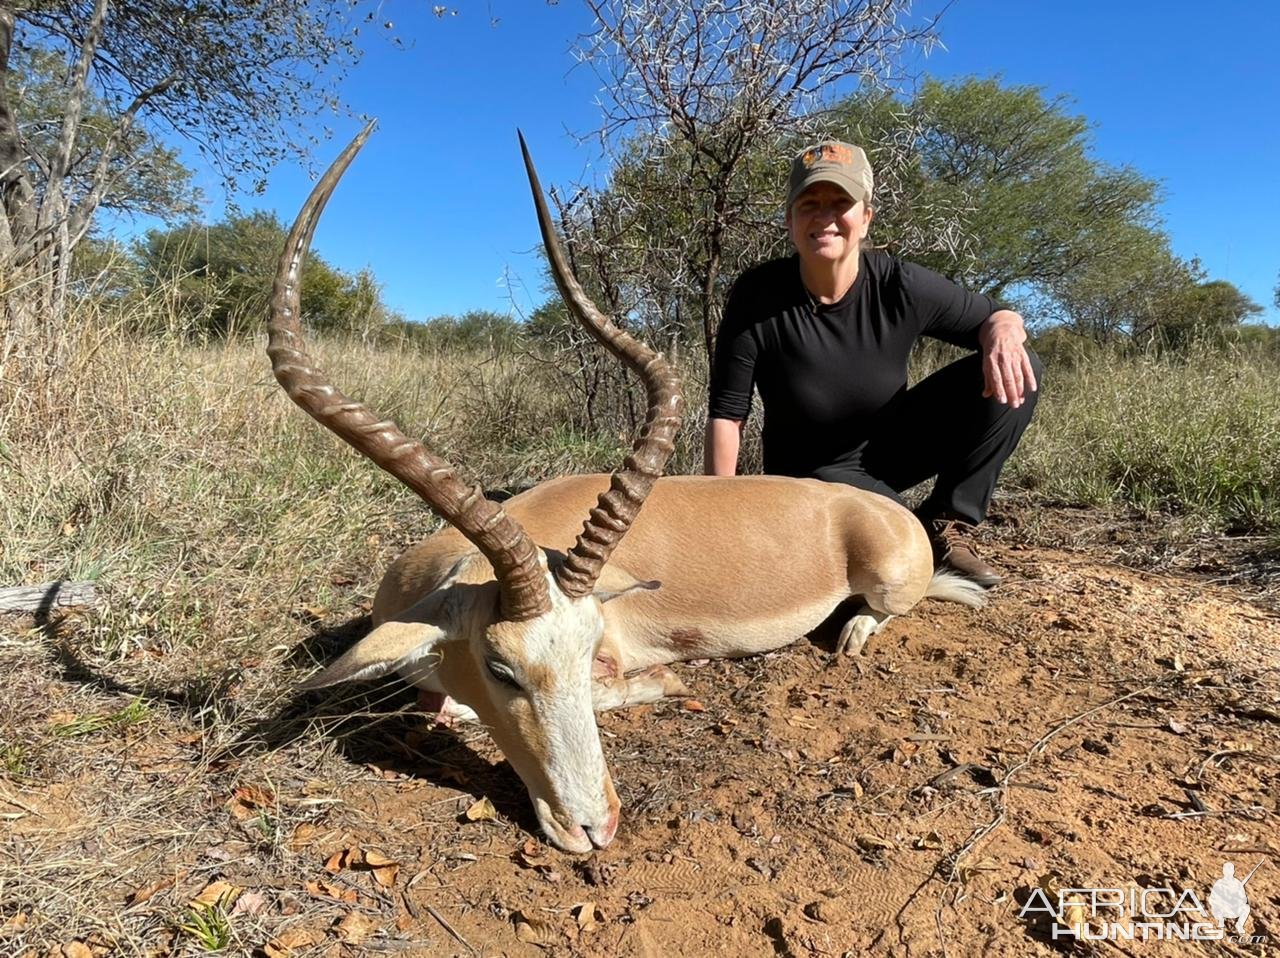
[
  {"x": 1195, "y": 435},
  {"x": 209, "y": 508}
]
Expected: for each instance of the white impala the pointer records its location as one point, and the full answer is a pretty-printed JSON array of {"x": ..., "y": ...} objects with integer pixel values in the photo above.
[{"x": 532, "y": 639}]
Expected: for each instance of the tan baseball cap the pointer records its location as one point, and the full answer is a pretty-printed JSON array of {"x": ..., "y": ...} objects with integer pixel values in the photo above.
[{"x": 831, "y": 161}]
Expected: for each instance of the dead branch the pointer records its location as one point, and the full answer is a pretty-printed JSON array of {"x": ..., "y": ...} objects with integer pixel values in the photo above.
[{"x": 47, "y": 597}]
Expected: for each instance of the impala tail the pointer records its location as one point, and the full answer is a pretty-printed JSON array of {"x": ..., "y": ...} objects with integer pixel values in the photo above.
[{"x": 953, "y": 587}]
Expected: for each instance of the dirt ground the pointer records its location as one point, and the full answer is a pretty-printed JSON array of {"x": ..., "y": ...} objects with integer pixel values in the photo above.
[{"x": 1111, "y": 719}]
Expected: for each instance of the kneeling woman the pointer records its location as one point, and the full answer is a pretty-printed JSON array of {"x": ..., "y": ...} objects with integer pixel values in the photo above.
[{"x": 825, "y": 336}]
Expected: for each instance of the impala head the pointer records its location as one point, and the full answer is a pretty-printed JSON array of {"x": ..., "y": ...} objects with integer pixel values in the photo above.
[
  {"x": 510, "y": 634},
  {"x": 535, "y": 697}
]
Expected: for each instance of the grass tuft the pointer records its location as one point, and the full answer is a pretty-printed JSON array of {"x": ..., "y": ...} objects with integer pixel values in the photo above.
[
  {"x": 208, "y": 926},
  {"x": 134, "y": 713},
  {"x": 1195, "y": 437}
]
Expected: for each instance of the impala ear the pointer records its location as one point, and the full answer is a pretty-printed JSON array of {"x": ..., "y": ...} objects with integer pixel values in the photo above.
[
  {"x": 390, "y": 647},
  {"x": 615, "y": 582},
  {"x": 398, "y": 644}
]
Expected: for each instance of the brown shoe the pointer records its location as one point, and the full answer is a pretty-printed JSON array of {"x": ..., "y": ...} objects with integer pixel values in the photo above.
[{"x": 953, "y": 549}]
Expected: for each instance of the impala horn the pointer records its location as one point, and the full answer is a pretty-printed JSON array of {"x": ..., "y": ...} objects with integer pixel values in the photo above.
[
  {"x": 618, "y": 507},
  {"x": 499, "y": 538}
]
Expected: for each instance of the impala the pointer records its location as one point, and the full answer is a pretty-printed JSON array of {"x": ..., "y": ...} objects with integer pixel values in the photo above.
[{"x": 497, "y": 621}]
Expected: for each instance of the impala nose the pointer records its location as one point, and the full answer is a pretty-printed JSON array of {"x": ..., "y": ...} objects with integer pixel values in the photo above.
[{"x": 602, "y": 835}]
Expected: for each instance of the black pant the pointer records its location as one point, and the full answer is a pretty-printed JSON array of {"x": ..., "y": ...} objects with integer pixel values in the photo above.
[{"x": 942, "y": 427}]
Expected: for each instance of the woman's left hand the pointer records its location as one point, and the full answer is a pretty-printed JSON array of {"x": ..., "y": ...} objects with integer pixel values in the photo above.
[{"x": 1006, "y": 367}]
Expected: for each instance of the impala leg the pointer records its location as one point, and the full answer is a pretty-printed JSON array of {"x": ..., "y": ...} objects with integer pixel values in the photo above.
[
  {"x": 648, "y": 685},
  {"x": 444, "y": 709},
  {"x": 436, "y": 703},
  {"x": 866, "y": 623}
]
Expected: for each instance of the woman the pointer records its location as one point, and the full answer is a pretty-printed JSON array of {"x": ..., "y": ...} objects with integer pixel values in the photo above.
[{"x": 825, "y": 335}]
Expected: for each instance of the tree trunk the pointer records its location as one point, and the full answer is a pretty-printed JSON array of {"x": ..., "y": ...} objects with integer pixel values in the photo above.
[
  {"x": 715, "y": 250},
  {"x": 55, "y": 211},
  {"x": 17, "y": 210}
]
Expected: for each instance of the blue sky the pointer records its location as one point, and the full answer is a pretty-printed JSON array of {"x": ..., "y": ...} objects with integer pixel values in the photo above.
[{"x": 437, "y": 204}]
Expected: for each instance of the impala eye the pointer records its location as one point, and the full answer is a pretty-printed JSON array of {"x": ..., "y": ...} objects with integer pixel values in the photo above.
[{"x": 501, "y": 672}]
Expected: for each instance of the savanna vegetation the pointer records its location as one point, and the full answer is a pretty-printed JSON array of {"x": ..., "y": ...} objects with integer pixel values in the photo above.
[{"x": 145, "y": 446}]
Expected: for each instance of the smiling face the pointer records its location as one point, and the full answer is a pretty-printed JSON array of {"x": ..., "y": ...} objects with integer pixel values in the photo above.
[{"x": 827, "y": 226}]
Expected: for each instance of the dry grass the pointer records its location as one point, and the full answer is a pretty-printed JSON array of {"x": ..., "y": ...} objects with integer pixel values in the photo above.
[
  {"x": 1195, "y": 437},
  {"x": 220, "y": 523}
]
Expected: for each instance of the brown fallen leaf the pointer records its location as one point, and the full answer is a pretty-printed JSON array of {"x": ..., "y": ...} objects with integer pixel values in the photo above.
[
  {"x": 255, "y": 796},
  {"x": 535, "y": 931},
  {"x": 141, "y": 895},
  {"x": 528, "y": 855},
  {"x": 14, "y": 923},
  {"x": 275, "y": 948},
  {"x": 250, "y": 903},
  {"x": 481, "y": 811},
  {"x": 931, "y": 841},
  {"x": 302, "y": 835},
  {"x": 693, "y": 705},
  {"x": 385, "y": 875},
  {"x": 588, "y": 916},
  {"x": 221, "y": 893},
  {"x": 873, "y": 843},
  {"x": 324, "y": 889},
  {"x": 248, "y": 801},
  {"x": 76, "y": 949},
  {"x": 1075, "y": 915},
  {"x": 1050, "y": 882},
  {"x": 346, "y": 858},
  {"x": 241, "y": 813},
  {"x": 355, "y": 928}
]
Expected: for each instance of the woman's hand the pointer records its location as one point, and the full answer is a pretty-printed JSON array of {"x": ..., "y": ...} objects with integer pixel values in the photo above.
[{"x": 1006, "y": 367}]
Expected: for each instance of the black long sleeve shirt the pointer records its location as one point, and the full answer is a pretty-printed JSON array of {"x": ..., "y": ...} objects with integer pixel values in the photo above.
[{"x": 825, "y": 370}]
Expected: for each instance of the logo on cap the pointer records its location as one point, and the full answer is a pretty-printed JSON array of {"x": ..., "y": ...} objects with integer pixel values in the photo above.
[{"x": 830, "y": 152}]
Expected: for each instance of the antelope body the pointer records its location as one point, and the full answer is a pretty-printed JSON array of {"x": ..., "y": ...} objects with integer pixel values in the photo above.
[
  {"x": 743, "y": 565},
  {"x": 531, "y": 640}
]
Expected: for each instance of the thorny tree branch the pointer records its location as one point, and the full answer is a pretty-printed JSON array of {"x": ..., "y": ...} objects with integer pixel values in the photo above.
[{"x": 702, "y": 100}]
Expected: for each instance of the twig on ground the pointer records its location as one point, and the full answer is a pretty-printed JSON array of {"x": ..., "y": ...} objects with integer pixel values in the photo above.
[
  {"x": 1001, "y": 793},
  {"x": 450, "y": 929},
  {"x": 1246, "y": 811},
  {"x": 1225, "y": 753},
  {"x": 9, "y": 800}
]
